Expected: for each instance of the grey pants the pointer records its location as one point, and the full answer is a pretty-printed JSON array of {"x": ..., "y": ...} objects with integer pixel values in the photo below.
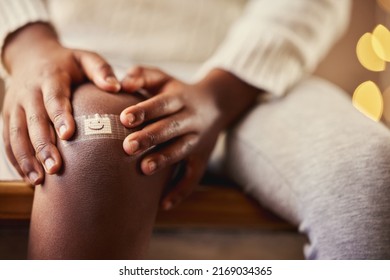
[{"x": 315, "y": 160}]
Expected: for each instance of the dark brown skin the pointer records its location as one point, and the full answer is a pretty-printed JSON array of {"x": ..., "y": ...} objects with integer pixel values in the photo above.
[
  {"x": 99, "y": 206},
  {"x": 42, "y": 73}
]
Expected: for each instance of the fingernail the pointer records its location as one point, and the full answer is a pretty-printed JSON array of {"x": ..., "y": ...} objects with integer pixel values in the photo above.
[
  {"x": 49, "y": 163},
  {"x": 114, "y": 82},
  {"x": 167, "y": 205},
  {"x": 33, "y": 177},
  {"x": 152, "y": 166},
  {"x": 133, "y": 146},
  {"x": 62, "y": 130},
  {"x": 130, "y": 118}
]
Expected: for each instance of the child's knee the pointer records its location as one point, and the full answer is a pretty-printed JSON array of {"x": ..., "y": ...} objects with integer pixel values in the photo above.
[{"x": 99, "y": 205}]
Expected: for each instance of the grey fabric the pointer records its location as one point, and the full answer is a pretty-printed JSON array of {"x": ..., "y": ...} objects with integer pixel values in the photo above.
[{"x": 315, "y": 160}]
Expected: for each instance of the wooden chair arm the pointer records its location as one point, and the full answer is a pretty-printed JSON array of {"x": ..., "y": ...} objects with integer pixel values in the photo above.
[{"x": 210, "y": 206}]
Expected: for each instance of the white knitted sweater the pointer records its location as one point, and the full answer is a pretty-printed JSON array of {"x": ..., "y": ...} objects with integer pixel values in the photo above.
[{"x": 270, "y": 44}]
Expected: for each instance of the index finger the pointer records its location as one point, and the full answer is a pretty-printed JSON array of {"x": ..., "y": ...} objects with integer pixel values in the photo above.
[
  {"x": 153, "y": 108},
  {"x": 98, "y": 70}
]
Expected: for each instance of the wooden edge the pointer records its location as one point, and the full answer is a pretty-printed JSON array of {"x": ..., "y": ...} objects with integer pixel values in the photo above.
[
  {"x": 220, "y": 207},
  {"x": 208, "y": 207},
  {"x": 16, "y": 199}
]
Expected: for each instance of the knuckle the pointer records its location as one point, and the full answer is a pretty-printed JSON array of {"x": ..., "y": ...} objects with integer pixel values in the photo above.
[
  {"x": 58, "y": 116},
  {"x": 53, "y": 97},
  {"x": 23, "y": 159},
  {"x": 151, "y": 138},
  {"x": 56, "y": 107},
  {"x": 188, "y": 146},
  {"x": 165, "y": 159},
  {"x": 104, "y": 67},
  {"x": 39, "y": 146},
  {"x": 190, "y": 143},
  {"x": 35, "y": 118},
  {"x": 163, "y": 104},
  {"x": 174, "y": 126},
  {"x": 140, "y": 112},
  {"x": 15, "y": 132}
]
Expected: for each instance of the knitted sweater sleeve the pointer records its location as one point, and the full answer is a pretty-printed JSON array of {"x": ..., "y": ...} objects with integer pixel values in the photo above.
[
  {"x": 276, "y": 43},
  {"x": 15, "y": 14}
]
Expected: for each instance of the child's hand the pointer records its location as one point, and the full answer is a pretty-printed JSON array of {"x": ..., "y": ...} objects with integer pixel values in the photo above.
[
  {"x": 184, "y": 124},
  {"x": 38, "y": 97}
]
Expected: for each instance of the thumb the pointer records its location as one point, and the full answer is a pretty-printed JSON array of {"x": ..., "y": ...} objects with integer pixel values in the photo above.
[
  {"x": 147, "y": 78},
  {"x": 97, "y": 70}
]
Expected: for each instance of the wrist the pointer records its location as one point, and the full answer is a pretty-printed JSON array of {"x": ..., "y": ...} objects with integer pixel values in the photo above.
[
  {"x": 231, "y": 96},
  {"x": 28, "y": 41}
]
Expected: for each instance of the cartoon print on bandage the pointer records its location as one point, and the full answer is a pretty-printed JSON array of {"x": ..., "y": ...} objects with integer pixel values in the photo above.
[{"x": 98, "y": 126}]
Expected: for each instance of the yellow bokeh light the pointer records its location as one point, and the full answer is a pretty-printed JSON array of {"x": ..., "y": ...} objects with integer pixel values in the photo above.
[
  {"x": 385, "y": 4},
  {"x": 368, "y": 99},
  {"x": 381, "y": 42},
  {"x": 366, "y": 54}
]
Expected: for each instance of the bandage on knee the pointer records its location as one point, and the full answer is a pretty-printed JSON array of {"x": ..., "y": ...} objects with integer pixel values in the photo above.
[{"x": 98, "y": 126}]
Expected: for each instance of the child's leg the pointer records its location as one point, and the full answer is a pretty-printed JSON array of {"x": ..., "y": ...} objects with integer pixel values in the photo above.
[
  {"x": 100, "y": 206},
  {"x": 317, "y": 161}
]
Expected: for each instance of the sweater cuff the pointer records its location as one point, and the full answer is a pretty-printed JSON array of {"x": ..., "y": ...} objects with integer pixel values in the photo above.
[
  {"x": 15, "y": 14},
  {"x": 267, "y": 61}
]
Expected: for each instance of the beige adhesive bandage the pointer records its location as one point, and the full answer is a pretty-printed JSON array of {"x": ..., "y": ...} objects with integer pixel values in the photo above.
[{"x": 98, "y": 127}]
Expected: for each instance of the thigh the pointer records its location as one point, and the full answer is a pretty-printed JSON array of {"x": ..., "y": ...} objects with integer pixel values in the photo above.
[
  {"x": 304, "y": 150},
  {"x": 99, "y": 205}
]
